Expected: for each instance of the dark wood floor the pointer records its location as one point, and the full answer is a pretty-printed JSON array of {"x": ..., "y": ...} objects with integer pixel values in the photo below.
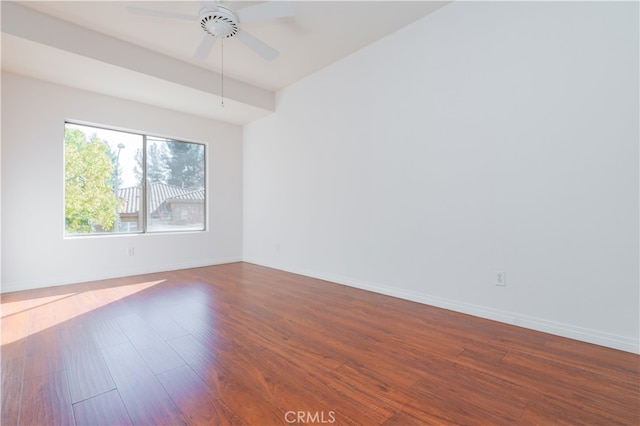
[{"x": 244, "y": 344}]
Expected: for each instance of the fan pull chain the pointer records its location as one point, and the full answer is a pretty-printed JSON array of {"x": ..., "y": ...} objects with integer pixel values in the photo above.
[{"x": 222, "y": 71}]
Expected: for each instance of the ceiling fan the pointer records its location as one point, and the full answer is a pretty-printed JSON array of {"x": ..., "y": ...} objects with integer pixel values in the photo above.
[{"x": 222, "y": 22}]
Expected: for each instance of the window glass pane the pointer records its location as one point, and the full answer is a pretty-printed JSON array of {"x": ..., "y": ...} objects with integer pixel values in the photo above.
[
  {"x": 175, "y": 185},
  {"x": 103, "y": 180}
]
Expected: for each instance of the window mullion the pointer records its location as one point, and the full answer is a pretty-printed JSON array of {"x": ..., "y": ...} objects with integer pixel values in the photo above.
[{"x": 144, "y": 202}]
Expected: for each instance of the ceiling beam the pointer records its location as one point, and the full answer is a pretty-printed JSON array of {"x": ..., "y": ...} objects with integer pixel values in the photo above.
[{"x": 44, "y": 29}]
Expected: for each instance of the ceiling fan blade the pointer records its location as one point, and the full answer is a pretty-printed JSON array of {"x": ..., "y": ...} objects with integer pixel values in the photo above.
[
  {"x": 266, "y": 10},
  {"x": 210, "y": 5},
  {"x": 261, "y": 48},
  {"x": 204, "y": 49},
  {"x": 161, "y": 13}
]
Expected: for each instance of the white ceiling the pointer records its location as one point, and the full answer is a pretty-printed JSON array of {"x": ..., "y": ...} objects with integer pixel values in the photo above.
[{"x": 109, "y": 58}]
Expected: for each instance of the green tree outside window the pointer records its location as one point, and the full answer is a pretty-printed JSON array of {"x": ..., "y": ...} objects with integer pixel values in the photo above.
[{"x": 89, "y": 171}]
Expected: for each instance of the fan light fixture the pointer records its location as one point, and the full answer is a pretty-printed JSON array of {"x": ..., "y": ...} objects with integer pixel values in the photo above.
[{"x": 219, "y": 23}]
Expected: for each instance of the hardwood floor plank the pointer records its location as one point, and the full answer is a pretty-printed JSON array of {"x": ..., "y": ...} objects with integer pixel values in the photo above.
[
  {"x": 158, "y": 355},
  {"x": 596, "y": 392},
  {"x": 106, "y": 332},
  {"x": 196, "y": 355},
  {"x": 252, "y": 367},
  {"x": 251, "y": 407},
  {"x": 15, "y": 329},
  {"x": 16, "y": 302},
  {"x": 12, "y": 370},
  {"x": 46, "y": 400},
  {"x": 320, "y": 395},
  {"x": 206, "y": 331},
  {"x": 328, "y": 347},
  {"x": 404, "y": 419},
  {"x": 75, "y": 337},
  {"x": 147, "y": 403},
  {"x": 52, "y": 306},
  {"x": 448, "y": 403},
  {"x": 594, "y": 358},
  {"x": 565, "y": 412},
  {"x": 86, "y": 370},
  {"x": 574, "y": 376},
  {"x": 39, "y": 361},
  {"x": 296, "y": 388},
  {"x": 87, "y": 373},
  {"x": 229, "y": 382},
  {"x": 17, "y": 349},
  {"x": 372, "y": 392},
  {"x": 145, "y": 399},
  {"x": 106, "y": 409},
  {"x": 198, "y": 404},
  {"x": 163, "y": 324},
  {"x": 126, "y": 366}
]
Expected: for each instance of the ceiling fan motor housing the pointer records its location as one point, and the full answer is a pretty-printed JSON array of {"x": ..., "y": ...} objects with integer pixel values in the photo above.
[{"x": 219, "y": 23}]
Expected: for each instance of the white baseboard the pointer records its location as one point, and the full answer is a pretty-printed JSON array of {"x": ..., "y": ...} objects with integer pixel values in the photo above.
[
  {"x": 552, "y": 327},
  {"x": 105, "y": 275}
]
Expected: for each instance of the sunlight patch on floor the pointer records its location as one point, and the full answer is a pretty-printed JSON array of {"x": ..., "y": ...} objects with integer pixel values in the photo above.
[{"x": 30, "y": 315}]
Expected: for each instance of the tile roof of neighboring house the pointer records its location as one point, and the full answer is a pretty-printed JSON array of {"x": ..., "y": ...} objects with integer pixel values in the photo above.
[
  {"x": 157, "y": 193},
  {"x": 130, "y": 198},
  {"x": 198, "y": 194}
]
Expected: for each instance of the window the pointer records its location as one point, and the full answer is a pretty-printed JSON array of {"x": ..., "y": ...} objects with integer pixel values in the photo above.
[{"x": 118, "y": 182}]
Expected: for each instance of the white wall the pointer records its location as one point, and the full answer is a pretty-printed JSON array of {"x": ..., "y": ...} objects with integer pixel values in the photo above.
[
  {"x": 34, "y": 250},
  {"x": 484, "y": 137}
]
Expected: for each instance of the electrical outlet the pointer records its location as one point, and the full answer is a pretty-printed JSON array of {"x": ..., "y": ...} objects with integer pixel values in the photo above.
[
  {"x": 500, "y": 278},
  {"x": 130, "y": 251}
]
